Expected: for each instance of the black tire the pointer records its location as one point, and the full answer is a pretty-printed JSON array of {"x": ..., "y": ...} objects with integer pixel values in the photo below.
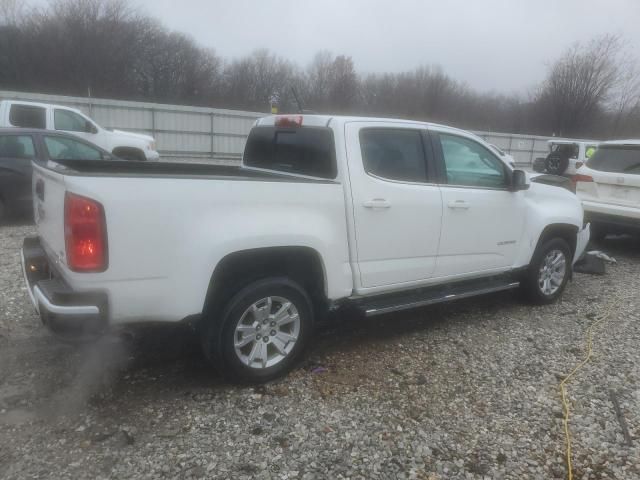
[
  {"x": 219, "y": 333},
  {"x": 556, "y": 163},
  {"x": 531, "y": 282}
]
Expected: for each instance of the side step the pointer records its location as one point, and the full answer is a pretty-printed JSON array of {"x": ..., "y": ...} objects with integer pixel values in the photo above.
[{"x": 381, "y": 304}]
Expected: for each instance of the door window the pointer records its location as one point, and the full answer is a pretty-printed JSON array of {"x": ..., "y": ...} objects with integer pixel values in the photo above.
[
  {"x": 468, "y": 163},
  {"x": 394, "y": 154},
  {"x": 17, "y": 146},
  {"x": 63, "y": 148},
  {"x": 27, "y": 116},
  {"x": 70, "y": 121}
]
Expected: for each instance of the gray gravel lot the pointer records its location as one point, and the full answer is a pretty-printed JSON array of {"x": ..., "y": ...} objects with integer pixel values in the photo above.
[{"x": 465, "y": 390}]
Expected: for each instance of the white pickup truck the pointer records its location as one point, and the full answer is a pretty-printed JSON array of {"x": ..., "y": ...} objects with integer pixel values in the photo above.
[
  {"x": 325, "y": 212},
  {"x": 126, "y": 145}
]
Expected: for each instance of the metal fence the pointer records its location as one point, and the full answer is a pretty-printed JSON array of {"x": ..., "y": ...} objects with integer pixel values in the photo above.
[
  {"x": 197, "y": 134},
  {"x": 181, "y": 133}
]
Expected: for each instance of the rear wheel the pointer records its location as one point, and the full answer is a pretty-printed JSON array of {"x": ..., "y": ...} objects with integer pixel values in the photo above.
[
  {"x": 262, "y": 331},
  {"x": 548, "y": 271}
]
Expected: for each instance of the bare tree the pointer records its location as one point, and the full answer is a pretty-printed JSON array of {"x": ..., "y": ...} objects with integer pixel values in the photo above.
[
  {"x": 11, "y": 11},
  {"x": 108, "y": 48},
  {"x": 625, "y": 102},
  {"x": 579, "y": 84}
]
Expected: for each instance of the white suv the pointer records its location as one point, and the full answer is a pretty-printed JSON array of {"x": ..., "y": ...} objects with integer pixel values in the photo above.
[
  {"x": 609, "y": 187},
  {"x": 566, "y": 156}
]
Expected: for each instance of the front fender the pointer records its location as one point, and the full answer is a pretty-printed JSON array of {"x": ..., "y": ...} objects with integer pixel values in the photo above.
[{"x": 549, "y": 205}]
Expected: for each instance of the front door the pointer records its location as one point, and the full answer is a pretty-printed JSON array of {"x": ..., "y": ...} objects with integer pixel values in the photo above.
[
  {"x": 483, "y": 222},
  {"x": 397, "y": 211}
]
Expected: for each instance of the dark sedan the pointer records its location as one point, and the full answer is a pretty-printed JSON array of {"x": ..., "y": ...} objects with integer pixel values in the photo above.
[{"x": 18, "y": 147}]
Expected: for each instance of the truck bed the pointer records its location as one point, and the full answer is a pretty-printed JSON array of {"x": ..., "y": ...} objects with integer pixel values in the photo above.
[{"x": 126, "y": 168}]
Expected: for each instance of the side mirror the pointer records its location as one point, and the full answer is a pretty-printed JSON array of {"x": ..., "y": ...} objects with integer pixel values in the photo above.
[
  {"x": 90, "y": 127},
  {"x": 519, "y": 181}
]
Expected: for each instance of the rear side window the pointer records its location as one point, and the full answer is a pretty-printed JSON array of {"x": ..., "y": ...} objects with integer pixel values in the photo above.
[
  {"x": 305, "y": 151},
  {"x": 616, "y": 159},
  {"x": 17, "y": 146},
  {"x": 394, "y": 154},
  {"x": 27, "y": 116}
]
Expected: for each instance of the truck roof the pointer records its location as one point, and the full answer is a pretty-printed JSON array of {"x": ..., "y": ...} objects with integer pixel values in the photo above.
[
  {"x": 37, "y": 104},
  {"x": 630, "y": 141},
  {"x": 315, "y": 120},
  {"x": 571, "y": 141}
]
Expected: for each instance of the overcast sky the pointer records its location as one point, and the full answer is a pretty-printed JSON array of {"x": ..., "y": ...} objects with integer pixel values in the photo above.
[{"x": 501, "y": 45}]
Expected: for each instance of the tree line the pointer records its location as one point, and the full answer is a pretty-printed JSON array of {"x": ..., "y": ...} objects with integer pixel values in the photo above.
[{"x": 105, "y": 48}]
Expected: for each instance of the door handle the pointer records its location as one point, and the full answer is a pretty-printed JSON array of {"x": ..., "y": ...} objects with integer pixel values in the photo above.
[
  {"x": 377, "y": 203},
  {"x": 461, "y": 204}
]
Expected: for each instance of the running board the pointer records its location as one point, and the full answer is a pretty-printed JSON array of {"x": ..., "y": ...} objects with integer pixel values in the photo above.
[{"x": 406, "y": 300}]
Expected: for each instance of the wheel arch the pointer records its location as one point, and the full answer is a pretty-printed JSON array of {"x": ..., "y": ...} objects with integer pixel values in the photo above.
[
  {"x": 565, "y": 231},
  {"x": 128, "y": 152},
  {"x": 302, "y": 264}
]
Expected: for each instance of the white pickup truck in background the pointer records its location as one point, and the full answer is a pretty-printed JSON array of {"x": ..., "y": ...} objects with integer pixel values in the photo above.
[
  {"x": 126, "y": 145},
  {"x": 324, "y": 212}
]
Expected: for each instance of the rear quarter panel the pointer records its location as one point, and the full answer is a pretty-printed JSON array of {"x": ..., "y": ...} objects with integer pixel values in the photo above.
[{"x": 166, "y": 236}]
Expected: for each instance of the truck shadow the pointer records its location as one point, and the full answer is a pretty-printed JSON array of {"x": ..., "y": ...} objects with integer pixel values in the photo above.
[{"x": 163, "y": 364}]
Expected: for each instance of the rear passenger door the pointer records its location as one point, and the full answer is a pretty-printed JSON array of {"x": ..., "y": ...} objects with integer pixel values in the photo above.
[
  {"x": 483, "y": 221},
  {"x": 396, "y": 208}
]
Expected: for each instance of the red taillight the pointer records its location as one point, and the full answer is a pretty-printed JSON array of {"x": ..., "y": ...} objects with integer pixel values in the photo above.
[
  {"x": 582, "y": 178},
  {"x": 289, "y": 121},
  {"x": 85, "y": 234}
]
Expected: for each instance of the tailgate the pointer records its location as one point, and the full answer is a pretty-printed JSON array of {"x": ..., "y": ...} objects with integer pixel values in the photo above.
[
  {"x": 48, "y": 206},
  {"x": 615, "y": 170},
  {"x": 617, "y": 189}
]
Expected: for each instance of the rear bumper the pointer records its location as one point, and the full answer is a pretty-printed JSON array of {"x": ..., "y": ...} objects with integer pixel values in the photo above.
[
  {"x": 624, "y": 218},
  {"x": 63, "y": 310}
]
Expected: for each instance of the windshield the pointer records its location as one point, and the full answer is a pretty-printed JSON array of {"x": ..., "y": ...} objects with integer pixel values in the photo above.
[{"x": 616, "y": 159}]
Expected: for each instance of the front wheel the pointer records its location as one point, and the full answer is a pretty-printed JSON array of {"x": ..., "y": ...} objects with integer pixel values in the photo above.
[
  {"x": 548, "y": 272},
  {"x": 262, "y": 331}
]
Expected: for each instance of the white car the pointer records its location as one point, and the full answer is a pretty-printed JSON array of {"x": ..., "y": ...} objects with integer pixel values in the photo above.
[
  {"x": 609, "y": 187},
  {"x": 566, "y": 156},
  {"x": 127, "y": 145},
  {"x": 325, "y": 212}
]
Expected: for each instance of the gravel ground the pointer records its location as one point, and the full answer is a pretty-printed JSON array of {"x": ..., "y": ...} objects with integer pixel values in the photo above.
[{"x": 466, "y": 390}]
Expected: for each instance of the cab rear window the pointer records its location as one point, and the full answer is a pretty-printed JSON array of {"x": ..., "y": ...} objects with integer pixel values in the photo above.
[
  {"x": 306, "y": 151},
  {"x": 616, "y": 159},
  {"x": 27, "y": 116}
]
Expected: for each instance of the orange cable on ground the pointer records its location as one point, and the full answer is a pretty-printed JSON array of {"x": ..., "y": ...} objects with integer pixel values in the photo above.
[{"x": 563, "y": 383}]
